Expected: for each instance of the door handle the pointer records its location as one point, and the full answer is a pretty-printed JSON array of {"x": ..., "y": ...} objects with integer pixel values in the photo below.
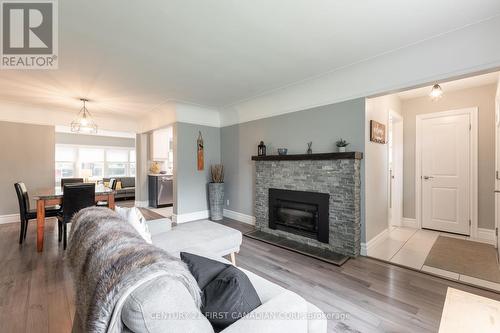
[{"x": 428, "y": 177}]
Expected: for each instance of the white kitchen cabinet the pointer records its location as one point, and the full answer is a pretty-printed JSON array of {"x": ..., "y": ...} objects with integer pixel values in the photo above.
[{"x": 161, "y": 144}]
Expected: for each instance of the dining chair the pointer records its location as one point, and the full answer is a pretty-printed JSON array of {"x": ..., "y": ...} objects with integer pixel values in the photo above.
[
  {"x": 75, "y": 198},
  {"x": 26, "y": 214},
  {"x": 65, "y": 181},
  {"x": 111, "y": 185}
]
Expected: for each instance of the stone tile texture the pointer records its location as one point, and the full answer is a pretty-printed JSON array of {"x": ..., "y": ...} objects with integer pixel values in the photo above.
[{"x": 339, "y": 178}]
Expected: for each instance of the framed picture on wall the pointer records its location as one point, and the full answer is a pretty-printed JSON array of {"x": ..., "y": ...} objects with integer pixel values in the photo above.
[{"x": 377, "y": 132}]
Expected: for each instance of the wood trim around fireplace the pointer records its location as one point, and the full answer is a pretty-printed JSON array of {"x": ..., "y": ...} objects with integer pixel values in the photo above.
[{"x": 302, "y": 157}]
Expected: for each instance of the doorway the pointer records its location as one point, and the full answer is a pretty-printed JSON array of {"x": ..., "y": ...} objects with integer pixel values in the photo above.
[
  {"x": 446, "y": 171},
  {"x": 441, "y": 232},
  {"x": 395, "y": 164},
  {"x": 497, "y": 173}
]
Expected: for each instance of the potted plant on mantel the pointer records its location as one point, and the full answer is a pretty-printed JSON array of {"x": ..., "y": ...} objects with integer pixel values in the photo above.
[
  {"x": 341, "y": 145},
  {"x": 216, "y": 192}
]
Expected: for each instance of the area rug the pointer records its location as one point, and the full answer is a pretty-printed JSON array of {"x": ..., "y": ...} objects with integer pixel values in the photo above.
[
  {"x": 321, "y": 254},
  {"x": 461, "y": 256}
]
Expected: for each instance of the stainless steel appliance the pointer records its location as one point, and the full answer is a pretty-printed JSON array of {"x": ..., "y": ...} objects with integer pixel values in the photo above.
[{"x": 160, "y": 190}]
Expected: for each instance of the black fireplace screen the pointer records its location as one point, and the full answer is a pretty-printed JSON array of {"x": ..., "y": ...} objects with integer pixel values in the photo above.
[{"x": 299, "y": 212}]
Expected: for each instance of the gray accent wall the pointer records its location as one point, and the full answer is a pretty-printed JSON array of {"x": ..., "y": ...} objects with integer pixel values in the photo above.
[
  {"x": 484, "y": 99},
  {"x": 142, "y": 170},
  {"x": 190, "y": 185},
  {"x": 94, "y": 140},
  {"x": 322, "y": 125},
  {"x": 28, "y": 153}
]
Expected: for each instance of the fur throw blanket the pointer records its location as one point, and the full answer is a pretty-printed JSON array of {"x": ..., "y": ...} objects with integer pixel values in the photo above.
[{"x": 108, "y": 259}]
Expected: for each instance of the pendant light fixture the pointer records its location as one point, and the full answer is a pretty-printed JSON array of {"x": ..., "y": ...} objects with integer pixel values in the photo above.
[
  {"x": 84, "y": 122},
  {"x": 436, "y": 92}
]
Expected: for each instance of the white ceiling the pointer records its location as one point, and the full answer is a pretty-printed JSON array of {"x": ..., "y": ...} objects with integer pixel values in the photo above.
[
  {"x": 132, "y": 57},
  {"x": 470, "y": 82}
]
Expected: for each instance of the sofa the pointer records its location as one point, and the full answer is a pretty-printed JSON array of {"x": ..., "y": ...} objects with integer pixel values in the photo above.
[
  {"x": 126, "y": 189},
  {"x": 164, "y": 305}
]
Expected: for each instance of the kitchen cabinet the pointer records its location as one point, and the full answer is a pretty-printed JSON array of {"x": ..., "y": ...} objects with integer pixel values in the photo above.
[{"x": 161, "y": 144}]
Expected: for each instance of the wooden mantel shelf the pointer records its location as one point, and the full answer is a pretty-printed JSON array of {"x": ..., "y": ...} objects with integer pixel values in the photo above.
[{"x": 303, "y": 157}]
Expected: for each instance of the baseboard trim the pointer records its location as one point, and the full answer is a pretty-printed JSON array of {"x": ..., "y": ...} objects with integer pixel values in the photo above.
[
  {"x": 10, "y": 218},
  {"x": 182, "y": 218},
  {"x": 365, "y": 247},
  {"x": 249, "y": 219},
  {"x": 485, "y": 236},
  {"x": 408, "y": 222},
  {"x": 141, "y": 203}
]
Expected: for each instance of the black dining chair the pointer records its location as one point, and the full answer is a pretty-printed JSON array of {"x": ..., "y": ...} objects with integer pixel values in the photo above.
[
  {"x": 75, "y": 198},
  {"x": 65, "y": 181},
  {"x": 26, "y": 213}
]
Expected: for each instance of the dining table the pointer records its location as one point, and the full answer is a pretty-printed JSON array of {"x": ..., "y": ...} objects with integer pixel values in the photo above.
[{"x": 54, "y": 196}]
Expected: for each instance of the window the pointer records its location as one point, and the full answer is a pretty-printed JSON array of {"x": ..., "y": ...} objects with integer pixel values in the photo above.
[
  {"x": 65, "y": 163},
  {"x": 64, "y": 170},
  {"x": 93, "y": 163}
]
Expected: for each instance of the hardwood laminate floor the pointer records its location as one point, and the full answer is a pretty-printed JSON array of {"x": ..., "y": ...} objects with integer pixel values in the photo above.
[{"x": 364, "y": 295}]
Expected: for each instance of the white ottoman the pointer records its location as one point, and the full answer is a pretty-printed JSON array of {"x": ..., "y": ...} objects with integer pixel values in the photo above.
[{"x": 199, "y": 236}]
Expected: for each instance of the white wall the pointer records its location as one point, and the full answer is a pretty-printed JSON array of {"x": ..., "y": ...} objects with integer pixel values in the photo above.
[
  {"x": 28, "y": 114},
  {"x": 173, "y": 111},
  {"x": 471, "y": 49},
  {"x": 376, "y": 166},
  {"x": 498, "y": 88}
]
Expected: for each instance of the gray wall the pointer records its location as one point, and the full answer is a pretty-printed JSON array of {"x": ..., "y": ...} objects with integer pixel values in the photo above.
[
  {"x": 481, "y": 97},
  {"x": 93, "y": 140},
  {"x": 190, "y": 185},
  {"x": 322, "y": 125},
  {"x": 28, "y": 153},
  {"x": 142, "y": 170}
]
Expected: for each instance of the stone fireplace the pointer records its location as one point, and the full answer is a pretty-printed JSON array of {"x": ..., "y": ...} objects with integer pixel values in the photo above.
[
  {"x": 300, "y": 213},
  {"x": 311, "y": 199}
]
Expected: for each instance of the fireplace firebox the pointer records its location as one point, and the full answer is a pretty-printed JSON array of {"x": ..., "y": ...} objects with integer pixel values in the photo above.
[{"x": 299, "y": 212}]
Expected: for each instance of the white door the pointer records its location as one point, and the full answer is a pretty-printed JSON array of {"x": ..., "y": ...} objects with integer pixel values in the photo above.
[
  {"x": 445, "y": 143},
  {"x": 395, "y": 147}
]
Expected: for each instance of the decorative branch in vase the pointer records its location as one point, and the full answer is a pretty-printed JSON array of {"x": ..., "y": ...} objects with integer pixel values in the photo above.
[{"x": 216, "y": 192}]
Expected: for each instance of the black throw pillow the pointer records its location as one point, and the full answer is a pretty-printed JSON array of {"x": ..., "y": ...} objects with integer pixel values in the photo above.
[
  {"x": 227, "y": 296},
  {"x": 203, "y": 269}
]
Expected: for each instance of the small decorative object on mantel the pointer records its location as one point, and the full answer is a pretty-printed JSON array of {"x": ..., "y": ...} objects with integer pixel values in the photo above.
[
  {"x": 216, "y": 192},
  {"x": 309, "y": 149},
  {"x": 261, "y": 149},
  {"x": 377, "y": 132},
  {"x": 341, "y": 145},
  {"x": 201, "y": 162},
  {"x": 282, "y": 151}
]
